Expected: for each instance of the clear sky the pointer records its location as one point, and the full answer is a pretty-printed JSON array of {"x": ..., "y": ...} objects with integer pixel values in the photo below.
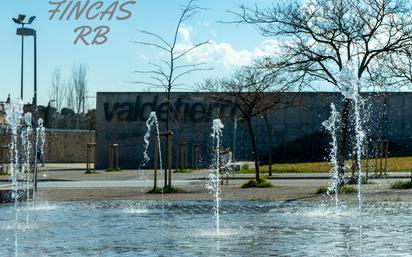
[{"x": 111, "y": 65}]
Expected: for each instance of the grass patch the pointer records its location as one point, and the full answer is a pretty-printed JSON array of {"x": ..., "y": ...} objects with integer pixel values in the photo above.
[
  {"x": 322, "y": 190},
  {"x": 354, "y": 181},
  {"x": 402, "y": 184},
  {"x": 308, "y": 167},
  {"x": 114, "y": 170},
  {"x": 252, "y": 183},
  {"x": 183, "y": 171},
  {"x": 347, "y": 189},
  {"x": 90, "y": 172},
  {"x": 172, "y": 190},
  {"x": 245, "y": 167},
  {"x": 3, "y": 170},
  {"x": 246, "y": 171},
  {"x": 395, "y": 164}
]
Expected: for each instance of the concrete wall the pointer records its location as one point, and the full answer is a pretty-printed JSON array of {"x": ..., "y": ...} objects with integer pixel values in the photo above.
[
  {"x": 67, "y": 146},
  {"x": 62, "y": 146},
  {"x": 297, "y": 132}
]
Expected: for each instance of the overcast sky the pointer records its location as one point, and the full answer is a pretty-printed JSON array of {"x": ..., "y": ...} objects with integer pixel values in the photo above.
[{"x": 111, "y": 65}]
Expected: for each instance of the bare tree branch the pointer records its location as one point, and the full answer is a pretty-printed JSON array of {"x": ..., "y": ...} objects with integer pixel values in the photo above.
[
  {"x": 58, "y": 89},
  {"x": 172, "y": 68},
  {"x": 155, "y": 35},
  {"x": 151, "y": 44},
  {"x": 79, "y": 85}
]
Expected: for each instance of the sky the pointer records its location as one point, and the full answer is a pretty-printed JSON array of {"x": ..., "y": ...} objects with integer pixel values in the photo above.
[{"x": 111, "y": 65}]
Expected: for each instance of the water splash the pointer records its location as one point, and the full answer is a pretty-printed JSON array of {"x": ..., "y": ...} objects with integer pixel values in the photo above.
[
  {"x": 347, "y": 80},
  {"x": 26, "y": 135},
  {"x": 39, "y": 146},
  {"x": 14, "y": 112},
  {"x": 332, "y": 125},
  {"x": 22, "y": 158},
  {"x": 350, "y": 89},
  {"x": 152, "y": 121},
  {"x": 213, "y": 183},
  {"x": 41, "y": 136}
]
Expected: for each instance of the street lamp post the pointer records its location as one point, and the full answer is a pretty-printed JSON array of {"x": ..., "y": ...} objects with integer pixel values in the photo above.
[
  {"x": 31, "y": 32},
  {"x": 20, "y": 20},
  {"x": 23, "y": 32}
]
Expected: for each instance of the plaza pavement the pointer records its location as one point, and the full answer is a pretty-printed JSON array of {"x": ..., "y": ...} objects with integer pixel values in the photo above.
[{"x": 68, "y": 182}]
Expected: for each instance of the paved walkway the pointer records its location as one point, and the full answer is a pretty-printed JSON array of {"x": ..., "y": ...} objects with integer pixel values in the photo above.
[
  {"x": 75, "y": 172},
  {"x": 68, "y": 182}
]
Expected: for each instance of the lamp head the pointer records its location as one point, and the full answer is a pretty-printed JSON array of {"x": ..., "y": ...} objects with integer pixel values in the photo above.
[
  {"x": 32, "y": 18},
  {"x": 16, "y": 21},
  {"x": 21, "y": 17}
]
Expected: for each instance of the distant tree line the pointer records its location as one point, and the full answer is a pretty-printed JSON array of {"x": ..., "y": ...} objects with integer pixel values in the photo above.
[
  {"x": 67, "y": 118},
  {"x": 68, "y": 107}
]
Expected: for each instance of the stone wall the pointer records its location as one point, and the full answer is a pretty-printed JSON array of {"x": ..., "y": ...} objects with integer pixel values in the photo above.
[
  {"x": 67, "y": 146},
  {"x": 62, "y": 146},
  {"x": 297, "y": 130}
]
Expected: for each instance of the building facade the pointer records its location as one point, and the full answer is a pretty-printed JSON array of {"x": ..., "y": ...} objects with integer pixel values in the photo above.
[{"x": 297, "y": 133}]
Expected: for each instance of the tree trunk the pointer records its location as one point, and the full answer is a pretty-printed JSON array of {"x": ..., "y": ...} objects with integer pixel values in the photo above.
[
  {"x": 269, "y": 128},
  {"x": 255, "y": 151},
  {"x": 343, "y": 140},
  {"x": 167, "y": 168}
]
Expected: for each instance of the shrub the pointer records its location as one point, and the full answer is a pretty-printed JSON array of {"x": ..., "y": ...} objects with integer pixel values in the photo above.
[
  {"x": 90, "y": 172},
  {"x": 354, "y": 180},
  {"x": 113, "y": 170},
  {"x": 346, "y": 189},
  {"x": 401, "y": 184},
  {"x": 245, "y": 166},
  {"x": 252, "y": 183},
  {"x": 322, "y": 190},
  {"x": 182, "y": 171},
  {"x": 173, "y": 190}
]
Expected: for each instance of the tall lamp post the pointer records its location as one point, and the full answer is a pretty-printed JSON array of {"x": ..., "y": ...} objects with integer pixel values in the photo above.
[
  {"x": 20, "y": 20},
  {"x": 26, "y": 32}
]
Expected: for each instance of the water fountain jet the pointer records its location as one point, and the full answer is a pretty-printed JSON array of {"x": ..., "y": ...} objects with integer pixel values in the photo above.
[
  {"x": 213, "y": 183},
  {"x": 332, "y": 126},
  {"x": 152, "y": 121}
]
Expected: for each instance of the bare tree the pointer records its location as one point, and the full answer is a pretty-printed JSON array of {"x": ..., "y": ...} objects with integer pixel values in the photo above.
[
  {"x": 168, "y": 72},
  {"x": 172, "y": 68},
  {"x": 58, "y": 89},
  {"x": 320, "y": 36},
  {"x": 395, "y": 71},
  {"x": 79, "y": 89},
  {"x": 254, "y": 93},
  {"x": 70, "y": 101}
]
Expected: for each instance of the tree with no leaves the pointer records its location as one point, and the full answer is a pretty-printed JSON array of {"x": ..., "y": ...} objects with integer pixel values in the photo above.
[
  {"x": 168, "y": 72},
  {"x": 320, "y": 36},
  {"x": 79, "y": 89},
  {"x": 58, "y": 89},
  {"x": 253, "y": 92},
  {"x": 395, "y": 71}
]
